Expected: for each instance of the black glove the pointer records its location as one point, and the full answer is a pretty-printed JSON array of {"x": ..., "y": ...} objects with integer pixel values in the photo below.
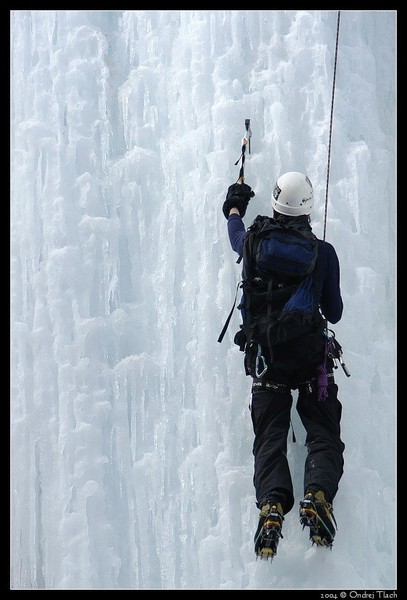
[{"x": 238, "y": 196}]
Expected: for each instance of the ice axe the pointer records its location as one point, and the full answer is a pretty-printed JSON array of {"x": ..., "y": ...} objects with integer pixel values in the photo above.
[{"x": 245, "y": 142}]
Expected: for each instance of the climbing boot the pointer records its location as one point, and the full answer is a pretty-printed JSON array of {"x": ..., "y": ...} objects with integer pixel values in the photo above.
[
  {"x": 316, "y": 513},
  {"x": 268, "y": 531}
]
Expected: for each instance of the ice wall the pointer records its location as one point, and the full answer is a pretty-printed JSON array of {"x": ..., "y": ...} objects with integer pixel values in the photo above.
[{"x": 130, "y": 430}]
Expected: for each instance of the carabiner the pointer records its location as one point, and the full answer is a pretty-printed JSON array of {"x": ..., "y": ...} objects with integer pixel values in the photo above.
[{"x": 258, "y": 358}]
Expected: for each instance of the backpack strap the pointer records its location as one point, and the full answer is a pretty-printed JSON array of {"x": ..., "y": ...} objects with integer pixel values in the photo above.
[
  {"x": 269, "y": 311},
  {"x": 246, "y": 255},
  {"x": 248, "y": 243},
  {"x": 226, "y": 325}
]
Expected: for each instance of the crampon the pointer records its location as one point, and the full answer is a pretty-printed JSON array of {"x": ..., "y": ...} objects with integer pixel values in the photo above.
[
  {"x": 316, "y": 513},
  {"x": 268, "y": 533}
]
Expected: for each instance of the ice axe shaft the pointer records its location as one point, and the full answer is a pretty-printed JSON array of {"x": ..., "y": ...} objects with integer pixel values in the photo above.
[{"x": 245, "y": 142}]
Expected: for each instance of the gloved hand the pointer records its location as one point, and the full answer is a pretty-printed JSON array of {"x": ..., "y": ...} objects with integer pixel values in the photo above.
[{"x": 238, "y": 196}]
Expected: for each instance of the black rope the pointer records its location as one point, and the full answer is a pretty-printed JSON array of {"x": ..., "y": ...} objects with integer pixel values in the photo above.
[{"x": 331, "y": 120}]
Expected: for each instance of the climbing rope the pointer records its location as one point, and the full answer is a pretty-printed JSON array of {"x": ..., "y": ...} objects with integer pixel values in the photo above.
[{"x": 330, "y": 124}]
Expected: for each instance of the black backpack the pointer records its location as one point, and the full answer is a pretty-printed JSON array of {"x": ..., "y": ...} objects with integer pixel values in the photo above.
[{"x": 282, "y": 322}]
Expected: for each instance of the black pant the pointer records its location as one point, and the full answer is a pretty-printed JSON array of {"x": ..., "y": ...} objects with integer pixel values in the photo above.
[{"x": 270, "y": 411}]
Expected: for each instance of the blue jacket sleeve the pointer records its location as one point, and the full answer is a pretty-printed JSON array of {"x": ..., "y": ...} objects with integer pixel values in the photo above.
[
  {"x": 236, "y": 231},
  {"x": 329, "y": 274}
]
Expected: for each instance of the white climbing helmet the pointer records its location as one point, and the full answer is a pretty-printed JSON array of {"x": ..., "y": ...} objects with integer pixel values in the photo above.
[{"x": 293, "y": 194}]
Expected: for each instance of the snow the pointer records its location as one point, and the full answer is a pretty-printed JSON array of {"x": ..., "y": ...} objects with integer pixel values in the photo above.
[{"x": 131, "y": 439}]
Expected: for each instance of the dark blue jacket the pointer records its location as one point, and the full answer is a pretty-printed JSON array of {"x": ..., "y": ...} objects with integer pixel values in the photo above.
[{"x": 326, "y": 275}]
